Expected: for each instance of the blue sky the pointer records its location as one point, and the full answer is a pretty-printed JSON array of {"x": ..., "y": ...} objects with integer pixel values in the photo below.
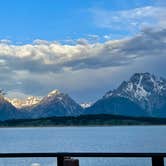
[
  {"x": 81, "y": 47},
  {"x": 25, "y": 21}
]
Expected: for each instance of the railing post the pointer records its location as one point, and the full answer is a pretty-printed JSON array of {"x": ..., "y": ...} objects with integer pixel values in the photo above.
[
  {"x": 60, "y": 160},
  {"x": 67, "y": 161},
  {"x": 71, "y": 162},
  {"x": 157, "y": 161}
]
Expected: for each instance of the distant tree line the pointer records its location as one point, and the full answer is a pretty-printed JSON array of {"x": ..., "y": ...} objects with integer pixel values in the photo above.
[{"x": 84, "y": 120}]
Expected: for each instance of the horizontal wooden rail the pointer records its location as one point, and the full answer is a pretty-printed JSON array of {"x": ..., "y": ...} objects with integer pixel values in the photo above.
[
  {"x": 157, "y": 158},
  {"x": 80, "y": 154}
]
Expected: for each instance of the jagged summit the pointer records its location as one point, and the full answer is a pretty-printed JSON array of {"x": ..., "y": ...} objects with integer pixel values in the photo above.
[
  {"x": 149, "y": 82},
  {"x": 54, "y": 93},
  {"x": 141, "y": 84},
  {"x": 143, "y": 88}
]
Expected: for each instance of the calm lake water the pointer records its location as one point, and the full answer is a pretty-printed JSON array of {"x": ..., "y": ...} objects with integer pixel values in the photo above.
[{"x": 82, "y": 139}]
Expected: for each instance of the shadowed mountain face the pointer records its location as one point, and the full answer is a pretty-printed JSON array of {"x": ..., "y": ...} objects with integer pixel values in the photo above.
[
  {"x": 117, "y": 106},
  {"x": 7, "y": 110},
  {"x": 143, "y": 95}
]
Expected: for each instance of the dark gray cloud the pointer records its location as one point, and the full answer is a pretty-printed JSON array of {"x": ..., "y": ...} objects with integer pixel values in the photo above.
[{"x": 150, "y": 42}]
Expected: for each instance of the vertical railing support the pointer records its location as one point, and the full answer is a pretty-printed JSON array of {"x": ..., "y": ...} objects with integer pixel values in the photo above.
[
  {"x": 71, "y": 162},
  {"x": 157, "y": 161},
  {"x": 67, "y": 161},
  {"x": 60, "y": 160}
]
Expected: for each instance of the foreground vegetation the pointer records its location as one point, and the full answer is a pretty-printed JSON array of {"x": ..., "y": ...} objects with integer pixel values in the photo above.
[{"x": 84, "y": 120}]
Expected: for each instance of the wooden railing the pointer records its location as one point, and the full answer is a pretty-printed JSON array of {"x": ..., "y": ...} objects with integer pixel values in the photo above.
[{"x": 157, "y": 158}]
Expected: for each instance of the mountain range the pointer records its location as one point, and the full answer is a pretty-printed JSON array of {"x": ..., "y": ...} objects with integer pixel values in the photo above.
[
  {"x": 144, "y": 94},
  {"x": 54, "y": 104}
]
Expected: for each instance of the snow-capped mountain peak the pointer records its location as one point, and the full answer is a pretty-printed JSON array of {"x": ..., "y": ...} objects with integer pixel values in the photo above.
[
  {"x": 143, "y": 88},
  {"x": 56, "y": 104},
  {"x": 54, "y": 93},
  {"x": 147, "y": 84}
]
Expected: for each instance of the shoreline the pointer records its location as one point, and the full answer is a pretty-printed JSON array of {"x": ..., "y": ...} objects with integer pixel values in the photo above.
[{"x": 88, "y": 126}]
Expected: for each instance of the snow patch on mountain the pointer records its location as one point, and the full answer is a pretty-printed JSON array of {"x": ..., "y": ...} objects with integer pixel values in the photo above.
[
  {"x": 21, "y": 103},
  {"x": 54, "y": 93},
  {"x": 86, "y": 105}
]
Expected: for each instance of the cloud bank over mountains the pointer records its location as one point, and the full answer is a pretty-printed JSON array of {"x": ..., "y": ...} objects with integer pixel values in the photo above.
[{"x": 44, "y": 56}]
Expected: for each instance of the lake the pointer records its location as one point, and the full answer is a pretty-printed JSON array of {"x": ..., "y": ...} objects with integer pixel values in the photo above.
[{"x": 82, "y": 139}]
